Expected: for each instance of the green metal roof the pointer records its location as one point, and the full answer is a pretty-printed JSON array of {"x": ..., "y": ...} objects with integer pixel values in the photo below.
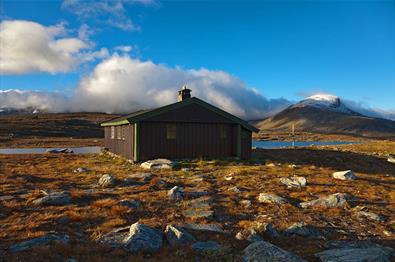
[{"x": 145, "y": 114}]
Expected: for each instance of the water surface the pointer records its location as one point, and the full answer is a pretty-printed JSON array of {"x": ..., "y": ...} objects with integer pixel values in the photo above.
[
  {"x": 76, "y": 150},
  {"x": 281, "y": 144}
]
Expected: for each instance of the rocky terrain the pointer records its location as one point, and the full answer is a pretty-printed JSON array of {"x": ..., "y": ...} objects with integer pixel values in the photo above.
[{"x": 306, "y": 204}]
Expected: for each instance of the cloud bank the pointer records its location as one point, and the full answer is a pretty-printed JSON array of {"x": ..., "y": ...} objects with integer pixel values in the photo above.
[{"x": 28, "y": 47}]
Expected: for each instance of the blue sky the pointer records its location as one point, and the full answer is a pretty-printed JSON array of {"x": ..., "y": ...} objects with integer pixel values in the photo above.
[{"x": 283, "y": 49}]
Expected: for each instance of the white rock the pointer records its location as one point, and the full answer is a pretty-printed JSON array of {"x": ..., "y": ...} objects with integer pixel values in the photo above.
[
  {"x": 177, "y": 236},
  {"x": 344, "y": 175},
  {"x": 106, "y": 180},
  {"x": 294, "y": 182},
  {"x": 159, "y": 163},
  {"x": 271, "y": 198},
  {"x": 143, "y": 238},
  {"x": 176, "y": 193},
  {"x": 263, "y": 251}
]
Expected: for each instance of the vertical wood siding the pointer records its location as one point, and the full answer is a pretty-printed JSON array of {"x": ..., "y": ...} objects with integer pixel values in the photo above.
[{"x": 119, "y": 146}]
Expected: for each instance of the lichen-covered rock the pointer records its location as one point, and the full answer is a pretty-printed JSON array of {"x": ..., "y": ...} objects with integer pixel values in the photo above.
[
  {"x": 177, "y": 236},
  {"x": 159, "y": 163},
  {"x": 206, "y": 246},
  {"x": 271, "y": 199},
  {"x": 263, "y": 251},
  {"x": 107, "y": 180},
  {"x": 40, "y": 241},
  {"x": 248, "y": 234},
  {"x": 344, "y": 175},
  {"x": 355, "y": 251},
  {"x": 331, "y": 201},
  {"x": 54, "y": 198},
  {"x": 304, "y": 230},
  {"x": 143, "y": 238},
  {"x": 294, "y": 182},
  {"x": 176, "y": 193}
]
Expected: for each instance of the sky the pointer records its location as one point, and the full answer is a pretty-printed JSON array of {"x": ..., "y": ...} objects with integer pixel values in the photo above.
[{"x": 249, "y": 57}]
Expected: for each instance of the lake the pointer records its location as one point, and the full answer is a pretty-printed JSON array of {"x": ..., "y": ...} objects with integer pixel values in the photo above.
[
  {"x": 281, "y": 144},
  {"x": 76, "y": 150}
]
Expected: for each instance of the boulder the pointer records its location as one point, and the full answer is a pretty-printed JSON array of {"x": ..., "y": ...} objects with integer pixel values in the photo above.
[
  {"x": 115, "y": 238},
  {"x": 344, "y": 175},
  {"x": 205, "y": 227},
  {"x": 198, "y": 213},
  {"x": 304, "y": 230},
  {"x": 176, "y": 193},
  {"x": 40, "y": 241},
  {"x": 331, "y": 201},
  {"x": 107, "y": 180},
  {"x": 177, "y": 236},
  {"x": 294, "y": 182},
  {"x": 263, "y": 251},
  {"x": 131, "y": 203},
  {"x": 268, "y": 229},
  {"x": 355, "y": 251},
  {"x": 143, "y": 238},
  {"x": 206, "y": 246},
  {"x": 159, "y": 163},
  {"x": 271, "y": 199},
  {"x": 54, "y": 198},
  {"x": 248, "y": 234},
  {"x": 391, "y": 160}
]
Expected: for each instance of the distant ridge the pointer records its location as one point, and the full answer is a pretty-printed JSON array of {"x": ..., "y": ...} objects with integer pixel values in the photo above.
[{"x": 327, "y": 114}]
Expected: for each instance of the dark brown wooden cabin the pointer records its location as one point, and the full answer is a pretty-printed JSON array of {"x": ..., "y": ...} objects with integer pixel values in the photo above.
[{"x": 190, "y": 128}]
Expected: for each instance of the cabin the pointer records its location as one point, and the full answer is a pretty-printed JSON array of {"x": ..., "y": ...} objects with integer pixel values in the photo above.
[{"x": 189, "y": 128}]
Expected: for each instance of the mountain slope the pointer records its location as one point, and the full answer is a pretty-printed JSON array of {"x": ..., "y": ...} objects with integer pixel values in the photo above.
[{"x": 327, "y": 114}]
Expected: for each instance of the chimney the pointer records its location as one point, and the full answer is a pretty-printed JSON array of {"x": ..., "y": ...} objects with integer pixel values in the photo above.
[{"x": 184, "y": 93}]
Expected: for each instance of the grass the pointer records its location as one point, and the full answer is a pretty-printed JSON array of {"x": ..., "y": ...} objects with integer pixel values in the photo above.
[{"x": 93, "y": 213}]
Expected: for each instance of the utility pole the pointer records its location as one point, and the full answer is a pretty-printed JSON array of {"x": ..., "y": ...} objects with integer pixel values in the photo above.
[{"x": 293, "y": 135}]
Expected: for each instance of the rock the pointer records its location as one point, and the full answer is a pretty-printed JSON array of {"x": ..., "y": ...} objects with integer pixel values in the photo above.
[
  {"x": 186, "y": 169},
  {"x": 294, "y": 182},
  {"x": 249, "y": 234},
  {"x": 159, "y": 163},
  {"x": 176, "y": 193},
  {"x": 235, "y": 189},
  {"x": 200, "y": 203},
  {"x": 196, "y": 193},
  {"x": 107, "y": 180},
  {"x": 268, "y": 229},
  {"x": 270, "y": 165},
  {"x": 63, "y": 150},
  {"x": 391, "y": 160},
  {"x": 143, "y": 238},
  {"x": 115, "y": 238},
  {"x": 205, "y": 227},
  {"x": 81, "y": 170},
  {"x": 178, "y": 236},
  {"x": 63, "y": 220},
  {"x": 206, "y": 246},
  {"x": 198, "y": 213},
  {"x": 371, "y": 216},
  {"x": 228, "y": 178},
  {"x": 145, "y": 177},
  {"x": 304, "y": 230},
  {"x": 331, "y": 201},
  {"x": 271, "y": 198},
  {"x": 263, "y": 251},
  {"x": 40, "y": 241},
  {"x": 161, "y": 184},
  {"x": 199, "y": 208},
  {"x": 54, "y": 198},
  {"x": 355, "y": 251},
  {"x": 344, "y": 175},
  {"x": 6, "y": 198},
  {"x": 131, "y": 203},
  {"x": 246, "y": 203}
]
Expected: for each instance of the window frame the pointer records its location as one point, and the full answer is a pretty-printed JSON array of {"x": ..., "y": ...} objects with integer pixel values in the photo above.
[
  {"x": 119, "y": 132},
  {"x": 112, "y": 132},
  {"x": 171, "y": 131}
]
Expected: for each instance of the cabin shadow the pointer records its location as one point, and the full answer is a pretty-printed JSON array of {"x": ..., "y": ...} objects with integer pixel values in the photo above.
[{"x": 336, "y": 160}]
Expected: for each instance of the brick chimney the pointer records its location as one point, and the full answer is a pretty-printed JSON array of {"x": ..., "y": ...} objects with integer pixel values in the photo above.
[{"x": 184, "y": 93}]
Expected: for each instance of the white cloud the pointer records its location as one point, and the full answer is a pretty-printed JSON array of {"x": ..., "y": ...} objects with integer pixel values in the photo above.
[
  {"x": 28, "y": 47},
  {"x": 111, "y": 12}
]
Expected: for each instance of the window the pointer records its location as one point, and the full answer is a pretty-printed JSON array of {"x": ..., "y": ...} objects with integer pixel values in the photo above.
[
  {"x": 222, "y": 132},
  {"x": 119, "y": 132},
  {"x": 112, "y": 132},
  {"x": 171, "y": 131},
  {"x": 123, "y": 132}
]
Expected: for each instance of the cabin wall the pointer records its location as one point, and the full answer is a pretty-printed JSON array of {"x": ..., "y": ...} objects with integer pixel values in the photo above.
[
  {"x": 246, "y": 143},
  {"x": 123, "y": 146},
  {"x": 192, "y": 140}
]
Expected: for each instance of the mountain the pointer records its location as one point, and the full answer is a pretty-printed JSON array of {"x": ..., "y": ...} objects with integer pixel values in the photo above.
[
  {"x": 327, "y": 114},
  {"x": 15, "y": 111}
]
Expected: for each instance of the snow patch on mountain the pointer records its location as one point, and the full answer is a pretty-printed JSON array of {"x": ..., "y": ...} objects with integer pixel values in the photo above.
[{"x": 325, "y": 102}]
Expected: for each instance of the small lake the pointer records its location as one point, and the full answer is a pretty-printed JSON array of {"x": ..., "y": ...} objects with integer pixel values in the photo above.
[
  {"x": 76, "y": 150},
  {"x": 281, "y": 144}
]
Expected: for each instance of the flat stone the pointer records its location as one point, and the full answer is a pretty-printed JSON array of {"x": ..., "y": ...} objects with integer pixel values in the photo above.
[
  {"x": 344, "y": 175},
  {"x": 106, "y": 180},
  {"x": 205, "y": 227},
  {"x": 115, "y": 238},
  {"x": 331, "y": 201},
  {"x": 143, "y": 238},
  {"x": 263, "y": 251},
  {"x": 145, "y": 177},
  {"x": 304, "y": 230},
  {"x": 355, "y": 251},
  {"x": 198, "y": 213},
  {"x": 54, "y": 198},
  {"x": 159, "y": 163},
  {"x": 196, "y": 193},
  {"x": 200, "y": 203},
  {"x": 271, "y": 199},
  {"x": 294, "y": 182},
  {"x": 206, "y": 246},
  {"x": 177, "y": 236},
  {"x": 40, "y": 241}
]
